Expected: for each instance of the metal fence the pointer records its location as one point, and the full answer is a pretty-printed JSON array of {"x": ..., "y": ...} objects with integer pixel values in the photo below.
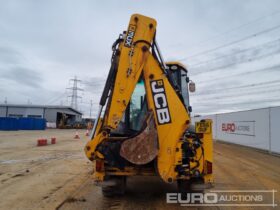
[{"x": 254, "y": 128}]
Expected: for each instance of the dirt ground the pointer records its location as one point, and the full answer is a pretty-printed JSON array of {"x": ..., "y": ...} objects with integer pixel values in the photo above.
[{"x": 58, "y": 176}]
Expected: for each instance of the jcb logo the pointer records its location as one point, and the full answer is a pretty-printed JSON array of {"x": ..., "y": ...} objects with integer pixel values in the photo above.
[
  {"x": 130, "y": 35},
  {"x": 160, "y": 102}
]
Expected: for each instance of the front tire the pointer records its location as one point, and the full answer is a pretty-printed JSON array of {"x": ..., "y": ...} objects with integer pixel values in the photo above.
[{"x": 117, "y": 189}]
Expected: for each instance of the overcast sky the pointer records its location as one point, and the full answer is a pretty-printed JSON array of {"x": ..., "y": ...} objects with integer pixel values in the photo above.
[{"x": 231, "y": 48}]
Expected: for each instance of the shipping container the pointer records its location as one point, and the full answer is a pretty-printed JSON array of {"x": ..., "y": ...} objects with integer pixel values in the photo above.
[
  {"x": 8, "y": 123},
  {"x": 25, "y": 123}
]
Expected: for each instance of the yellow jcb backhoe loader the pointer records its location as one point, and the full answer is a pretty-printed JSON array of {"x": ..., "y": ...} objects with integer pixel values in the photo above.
[{"x": 143, "y": 125}]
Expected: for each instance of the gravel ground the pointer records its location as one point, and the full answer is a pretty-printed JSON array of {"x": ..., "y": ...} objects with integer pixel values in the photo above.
[{"x": 58, "y": 176}]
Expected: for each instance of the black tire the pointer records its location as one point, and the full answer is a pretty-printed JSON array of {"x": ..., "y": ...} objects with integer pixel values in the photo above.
[
  {"x": 184, "y": 186},
  {"x": 187, "y": 186},
  {"x": 116, "y": 190},
  {"x": 197, "y": 181}
]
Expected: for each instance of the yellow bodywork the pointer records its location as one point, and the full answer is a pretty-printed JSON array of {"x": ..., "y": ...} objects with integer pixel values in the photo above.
[
  {"x": 137, "y": 60},
  {"x": 205, "y": 127}
]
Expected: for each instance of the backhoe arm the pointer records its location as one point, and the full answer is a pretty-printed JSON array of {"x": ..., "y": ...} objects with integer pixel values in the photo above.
[
  {"x": 172, "y": 119},
  {"x": 135, "y": 57}
]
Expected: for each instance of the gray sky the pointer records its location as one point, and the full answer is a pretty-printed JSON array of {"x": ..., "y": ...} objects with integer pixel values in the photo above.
[{"x": 231, "y": 48}]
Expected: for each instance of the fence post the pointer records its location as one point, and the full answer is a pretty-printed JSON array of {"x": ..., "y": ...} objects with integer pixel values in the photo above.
[{"x": 269, "y": 128}]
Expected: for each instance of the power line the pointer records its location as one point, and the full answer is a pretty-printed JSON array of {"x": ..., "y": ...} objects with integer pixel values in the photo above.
[
  {"x": 214, "y": 79},
  {"x": 238, "y": 95},
  {"x": 99, "y": 83},
  {"x": 253, "y": 103},
  {"x": 234, "y": 29},
  {"x": 55, "y": 98},
  {"x": 255, "y": 85},
  {"x": 265, "y": 45},
  {"x": 232, "y": 43},
  {"x": 90, "y": 108},
  {"x": 249, "y": 101},
  {"x": 235, "y": 63},
  {"x": 89, "y": 103}
]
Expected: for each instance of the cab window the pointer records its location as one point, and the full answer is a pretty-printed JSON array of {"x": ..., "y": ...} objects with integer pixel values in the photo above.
[{"x": 138, "y": 107}]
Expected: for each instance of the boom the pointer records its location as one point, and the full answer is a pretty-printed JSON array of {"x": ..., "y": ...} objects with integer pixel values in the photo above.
[{"x": 136, "y": 56}]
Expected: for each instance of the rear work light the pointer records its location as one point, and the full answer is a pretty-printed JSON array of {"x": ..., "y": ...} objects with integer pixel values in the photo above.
[{"x": 208, "y": 167}]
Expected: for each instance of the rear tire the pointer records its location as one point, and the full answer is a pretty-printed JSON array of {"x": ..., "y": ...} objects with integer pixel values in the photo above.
[
  {"x": 184, "y": 186},
  {"x": 188, "y": 186},
  {"x": 117, "y": 189}
]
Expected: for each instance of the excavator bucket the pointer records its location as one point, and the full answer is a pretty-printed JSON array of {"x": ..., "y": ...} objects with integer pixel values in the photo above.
[{"x": 142, "y": 148}]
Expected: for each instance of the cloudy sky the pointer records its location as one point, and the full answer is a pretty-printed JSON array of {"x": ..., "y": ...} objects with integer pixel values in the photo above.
[{"x": 231, "y": 48}]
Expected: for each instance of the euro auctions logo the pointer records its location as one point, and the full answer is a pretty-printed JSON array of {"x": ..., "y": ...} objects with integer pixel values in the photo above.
[
  {"x": 192, "y": 198},
  {"x": 239, "y": 128},
  {"x": 228, "y": 127},
  {"x": 224, "y": 198}
]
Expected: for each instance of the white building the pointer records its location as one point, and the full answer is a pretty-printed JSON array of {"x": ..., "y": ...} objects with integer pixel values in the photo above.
[{"x": 52, "y": 114}]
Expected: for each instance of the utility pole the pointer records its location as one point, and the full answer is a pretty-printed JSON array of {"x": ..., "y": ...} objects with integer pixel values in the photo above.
[
  {"x": 5, "y": 102},
  {"x": 74, "y": 95},
  {"x": 90, "y": 108}
]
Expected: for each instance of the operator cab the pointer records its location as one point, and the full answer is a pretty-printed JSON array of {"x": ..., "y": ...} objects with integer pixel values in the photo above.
[
  {"x": 181, "y": 81},
  {"x": 136, "y": 111}
]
